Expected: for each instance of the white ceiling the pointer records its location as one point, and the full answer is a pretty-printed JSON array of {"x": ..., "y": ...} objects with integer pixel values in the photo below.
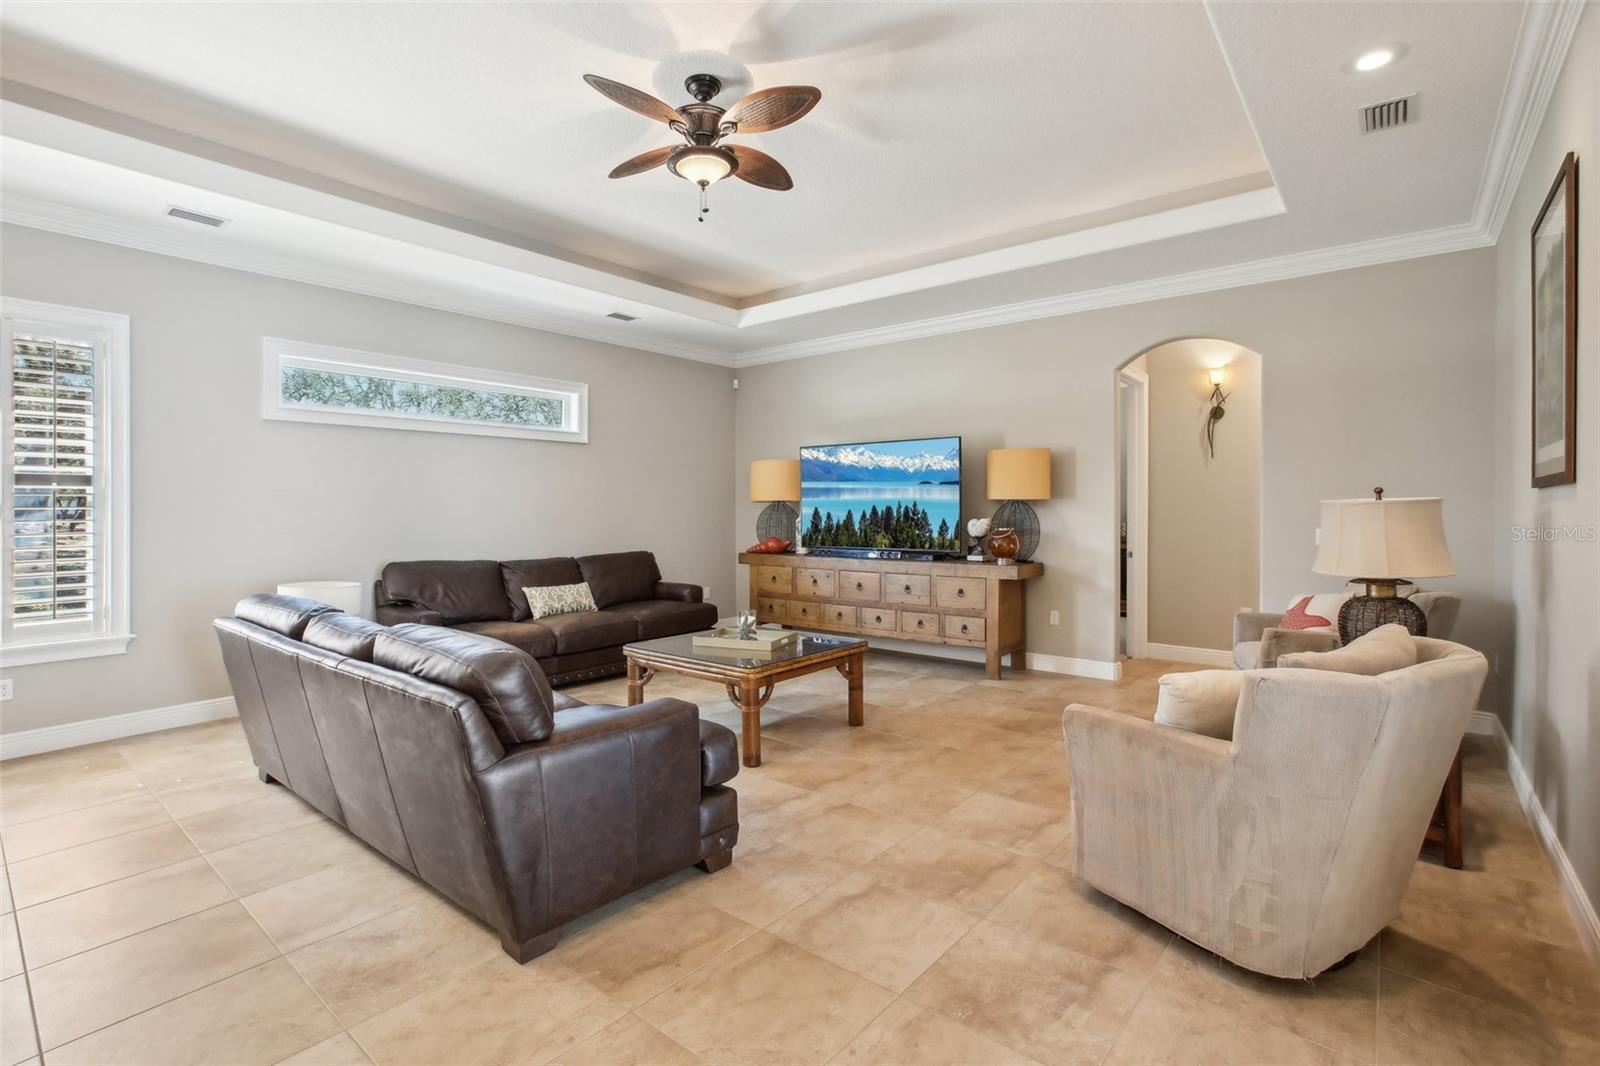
[{"x": 965, "y": 159}]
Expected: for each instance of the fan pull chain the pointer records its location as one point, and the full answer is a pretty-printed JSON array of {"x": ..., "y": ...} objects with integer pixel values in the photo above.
[{"x": 704, "y": 210}]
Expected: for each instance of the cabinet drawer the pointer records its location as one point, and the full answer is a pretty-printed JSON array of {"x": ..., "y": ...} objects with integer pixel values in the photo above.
[
  {"x": 879, "y": 619},
  {"x": 860, "y": 585},
  {"x": 803, "y": 612},
  {"x": 958, "y": 627},
  {"x": 809, "y": 582},
  {"x": 906, "y": 588},
  {"x": 774, "y": 579},
  {"x": 839, "y": 614},
  {"x": 771, "y": 610},
  {"x": 917, "y": 622},
  {"x": 960, "y": 593}
]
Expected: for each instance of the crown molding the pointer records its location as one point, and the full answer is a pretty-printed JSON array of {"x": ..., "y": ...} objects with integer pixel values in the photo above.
[
  {"x": 146, "y": 237},
  {"x": 1541, "y": 50},
  {"x": 1279, "y": 268}
]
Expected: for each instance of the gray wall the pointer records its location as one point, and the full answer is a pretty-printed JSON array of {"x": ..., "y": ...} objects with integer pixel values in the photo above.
[
  {"x": 1375, "y": 376},
  {"x": 1548, "y": 639},
  {"x": 226, "y": 503},
  {"x": 1205, "y": 510}
]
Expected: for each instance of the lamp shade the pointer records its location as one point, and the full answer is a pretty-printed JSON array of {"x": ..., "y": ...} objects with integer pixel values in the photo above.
[
  {"x": 1384, "y": 539},
  {"x": 345, "y": 595},
  {"x": 1019, "y": 474},
  {"x": 775, "y": 479}
]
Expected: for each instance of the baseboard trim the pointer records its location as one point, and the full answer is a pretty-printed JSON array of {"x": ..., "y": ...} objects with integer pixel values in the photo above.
[
  {"x": 1579, "y": 905},
  {"x": 113, "y": 727},
  {"x": 1177, "y": 652},
  {"x": 1098, "y": 669}
]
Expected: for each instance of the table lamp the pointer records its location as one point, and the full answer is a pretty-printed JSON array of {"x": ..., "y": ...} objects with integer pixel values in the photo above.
[
  {"x": 1017, "y": 475},
  {"x": 1382, "y": 544},
  {"x": 776, "y": 482}
]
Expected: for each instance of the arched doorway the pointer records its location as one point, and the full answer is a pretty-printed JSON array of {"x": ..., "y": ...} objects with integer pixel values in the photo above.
[{"x": 1188, "y": 497}]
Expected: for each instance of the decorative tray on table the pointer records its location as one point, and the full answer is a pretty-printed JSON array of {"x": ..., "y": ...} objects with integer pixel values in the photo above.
[{"x": 758, "y": 642}]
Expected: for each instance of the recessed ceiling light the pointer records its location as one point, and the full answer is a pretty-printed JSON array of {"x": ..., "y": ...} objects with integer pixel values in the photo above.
[{"x": 1375, "y": 59}]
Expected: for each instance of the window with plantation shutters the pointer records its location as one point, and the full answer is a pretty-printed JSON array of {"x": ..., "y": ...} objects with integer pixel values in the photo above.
[{"x": 64, "y": 587}]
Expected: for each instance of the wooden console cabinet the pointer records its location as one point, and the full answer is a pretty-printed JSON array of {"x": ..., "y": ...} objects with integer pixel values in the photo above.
[{"x": 952, "y": 601}]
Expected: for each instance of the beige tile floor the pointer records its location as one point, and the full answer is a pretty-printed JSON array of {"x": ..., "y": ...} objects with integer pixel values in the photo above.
[{"x": 902, "y": 893}]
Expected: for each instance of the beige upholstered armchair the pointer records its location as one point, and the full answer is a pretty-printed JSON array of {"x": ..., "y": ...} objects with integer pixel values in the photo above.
[
  {"x": 1287, "y": 848},
  {"x": 1257, "y": 642}
]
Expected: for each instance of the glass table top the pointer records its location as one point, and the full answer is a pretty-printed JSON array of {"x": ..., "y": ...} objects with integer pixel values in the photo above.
[{"x": 805, "y": 645}]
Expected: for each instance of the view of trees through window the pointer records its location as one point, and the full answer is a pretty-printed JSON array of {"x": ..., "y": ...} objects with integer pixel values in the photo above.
[
  {"x": 303, "y": 387},
  {"x": 892, "y": 526}
]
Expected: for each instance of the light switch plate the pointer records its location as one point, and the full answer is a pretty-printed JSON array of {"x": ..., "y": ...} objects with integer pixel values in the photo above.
[{"x": 1055, "y": 618}]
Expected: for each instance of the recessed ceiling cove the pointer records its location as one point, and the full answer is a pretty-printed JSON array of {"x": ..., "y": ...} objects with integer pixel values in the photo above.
[{"x": 945, "y": 128}]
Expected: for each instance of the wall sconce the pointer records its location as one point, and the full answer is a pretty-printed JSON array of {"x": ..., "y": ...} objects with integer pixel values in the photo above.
[{"x": 1217, "y": 375}]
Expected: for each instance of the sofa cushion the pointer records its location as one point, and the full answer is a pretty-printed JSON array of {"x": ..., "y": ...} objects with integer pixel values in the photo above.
[
  {"x": 505, "y": 681},
  {"x": 590, "y": 630},
  {"x": 620, "y": 577},
  {"x": 1200, "y": 701},
  {"x": 285, "y": 615},
  {"x": 1247, "y": 655},
  {"x": 519, "y": 574},
  {"x": 1386, "y": 648},
  {"x": 666, "y": 618},
  {"x": 469, "y": 591},
  {"x": 531, "y": 637},
  {"x": 343, "y": 634}
]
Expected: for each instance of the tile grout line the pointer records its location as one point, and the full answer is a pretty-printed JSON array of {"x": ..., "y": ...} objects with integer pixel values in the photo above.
[{"x": 22, "y": 956}]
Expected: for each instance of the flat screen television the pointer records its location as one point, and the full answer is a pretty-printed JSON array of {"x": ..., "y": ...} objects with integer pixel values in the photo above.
[{"x": 902, "y": 495}]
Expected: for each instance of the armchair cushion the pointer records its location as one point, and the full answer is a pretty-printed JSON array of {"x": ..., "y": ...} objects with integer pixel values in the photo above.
[
  {"x": 1386, "y": 648},
  {"x": 1200, "y": 701},
  {"x": 1276, "y": 643}
]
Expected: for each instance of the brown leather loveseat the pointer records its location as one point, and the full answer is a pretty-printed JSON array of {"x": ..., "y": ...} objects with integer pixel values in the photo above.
[
  {"x": 448, "y": 752},
  {"x": 484, "y": 596}
]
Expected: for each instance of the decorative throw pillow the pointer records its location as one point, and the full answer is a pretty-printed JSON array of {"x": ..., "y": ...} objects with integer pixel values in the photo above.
[
  {"x": 1297, "y": 617},
  {"x": 546, "y": 600},
  {"x": 1200, "y": 701},
  {"x": 1386, "y": 648}
]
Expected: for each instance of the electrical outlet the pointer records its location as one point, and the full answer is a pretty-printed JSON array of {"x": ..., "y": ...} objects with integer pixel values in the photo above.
[
  {"x": 1055, "y": 618},
  {"x": 8, "y": 688}
]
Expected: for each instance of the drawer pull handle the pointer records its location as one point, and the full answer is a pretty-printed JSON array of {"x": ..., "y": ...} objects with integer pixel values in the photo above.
[
  {"x": 963, "y": 627},
  {"x": 908, "y": 588},
  {"x": 813, "y": 581},
  {"x": 919, "y": 623},
  {"x": 877, "y": 618},
  {"x": 858, "y": 586},
  {"x": 961, "y": 592}
]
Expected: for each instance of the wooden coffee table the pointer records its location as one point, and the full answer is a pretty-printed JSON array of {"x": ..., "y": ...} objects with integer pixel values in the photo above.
[{"x": 749, "y": 680}]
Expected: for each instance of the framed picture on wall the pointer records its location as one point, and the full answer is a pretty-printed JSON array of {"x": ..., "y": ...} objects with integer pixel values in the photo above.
[{"x": 1555, "y": 331}]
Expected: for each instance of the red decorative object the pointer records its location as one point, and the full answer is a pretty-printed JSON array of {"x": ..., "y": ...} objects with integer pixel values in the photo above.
[
  {"x": 1297, "y": 618},
  {"x": 770, "y": 546},
  {"x": 1004, "y": 546}
]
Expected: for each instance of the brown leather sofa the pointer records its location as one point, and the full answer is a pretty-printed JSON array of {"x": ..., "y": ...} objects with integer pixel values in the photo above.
[
  {"x": 483, "y": 596},
  {"x": 448, "y": 752}
]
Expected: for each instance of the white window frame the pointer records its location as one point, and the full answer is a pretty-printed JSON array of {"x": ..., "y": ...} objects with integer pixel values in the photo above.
[
  {"x": 278, "y": 353},
  {"x": 110, "y": 630}
]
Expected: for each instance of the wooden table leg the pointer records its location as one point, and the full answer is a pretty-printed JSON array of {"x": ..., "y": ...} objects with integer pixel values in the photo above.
[
  {"x": 854, "y": 669},
  {"x": 751, "y": 696},
  {"x": 991, "y": 662},
  {"x": 1019, "y": 659},
  {"x": 638, "y": 678}
]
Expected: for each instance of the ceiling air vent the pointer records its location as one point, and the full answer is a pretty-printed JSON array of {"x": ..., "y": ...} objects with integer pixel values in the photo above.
[
  {"x": 620, "y": 317},
  {"x": 1388, "y": 114},
  {"x": 195, "y": 216}
]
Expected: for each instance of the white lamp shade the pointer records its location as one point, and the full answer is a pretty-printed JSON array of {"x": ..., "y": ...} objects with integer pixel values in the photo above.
[
  {"x": 345, "y": 595},
  {"x": 1384, "y": 539}
]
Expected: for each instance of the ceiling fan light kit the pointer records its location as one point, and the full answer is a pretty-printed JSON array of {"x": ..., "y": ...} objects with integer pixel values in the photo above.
[{"x": 703, "y": 160}]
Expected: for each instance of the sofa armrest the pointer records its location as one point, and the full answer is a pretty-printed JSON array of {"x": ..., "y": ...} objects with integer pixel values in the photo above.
[
  {"x": 1144, "y": 804},
  {"x": 679, "y": 590},
  {"x": 608, "y": 802},
  {"x": 719, "y": 754},
  {"x": 394, "y": 614},
  {"x": 1276, "y": 642},
  {"x": 1250, "y": 625}
]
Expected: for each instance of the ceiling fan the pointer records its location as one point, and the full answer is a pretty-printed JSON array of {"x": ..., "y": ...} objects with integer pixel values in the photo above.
[{"x": 703, "y": 159}]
